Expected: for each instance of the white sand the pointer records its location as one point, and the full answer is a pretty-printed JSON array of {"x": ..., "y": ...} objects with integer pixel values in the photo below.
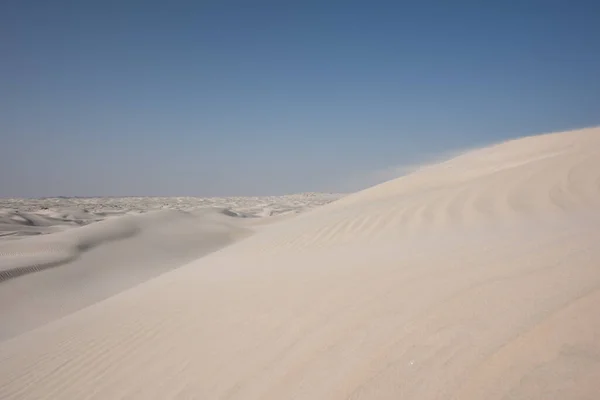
[
  {"x": 67, "y": 271},
  {"x": 125, "y": 248},
  {"x": 477, "y": 278}
]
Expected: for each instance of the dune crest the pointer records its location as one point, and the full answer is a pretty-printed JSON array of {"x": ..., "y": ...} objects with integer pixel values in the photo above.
[{"x": 475, "y": 278}]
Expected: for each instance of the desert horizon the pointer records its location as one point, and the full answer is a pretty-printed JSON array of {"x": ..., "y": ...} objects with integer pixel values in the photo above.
[
  {"x": 471, "y": 278},
  {"x": 357, "y": 200}
]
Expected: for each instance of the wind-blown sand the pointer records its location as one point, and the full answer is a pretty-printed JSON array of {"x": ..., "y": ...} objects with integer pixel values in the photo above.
[{"x": 476, "y": 278}]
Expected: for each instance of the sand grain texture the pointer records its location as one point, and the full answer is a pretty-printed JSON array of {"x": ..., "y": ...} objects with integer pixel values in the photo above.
[{"x": 476, "y": 278}]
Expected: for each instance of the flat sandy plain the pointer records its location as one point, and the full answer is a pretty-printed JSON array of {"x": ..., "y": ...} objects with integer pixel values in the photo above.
[{"x": 474, "y": 278}]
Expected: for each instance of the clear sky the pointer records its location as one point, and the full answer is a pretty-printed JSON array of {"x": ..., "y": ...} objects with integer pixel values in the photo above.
[{"x": 223, "y": 97}]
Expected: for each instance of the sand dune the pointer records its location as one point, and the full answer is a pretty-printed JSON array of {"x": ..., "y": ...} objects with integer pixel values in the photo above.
[
  {"x": 99, "y": 260},
  {"x": 14, "y": 224},
  {"x": 104, "y": 246},
  {"x": 476, "y": 278}
]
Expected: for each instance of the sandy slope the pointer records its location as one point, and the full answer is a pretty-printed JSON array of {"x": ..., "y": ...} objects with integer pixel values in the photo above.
[
  {"x": 104, "y": 246},
  {"x": 477, "y": 278},
  {"x": 50, "y": 276}
]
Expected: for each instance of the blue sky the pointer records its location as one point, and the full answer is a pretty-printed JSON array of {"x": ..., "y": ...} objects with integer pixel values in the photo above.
[{"x": 272, "y": 97}]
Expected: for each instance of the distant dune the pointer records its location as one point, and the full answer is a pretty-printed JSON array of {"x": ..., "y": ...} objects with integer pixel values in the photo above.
[
  {"x": 99, "y": 260},
  {"x": 475, "y": 278},
  {"x": 104, "y": 246}
]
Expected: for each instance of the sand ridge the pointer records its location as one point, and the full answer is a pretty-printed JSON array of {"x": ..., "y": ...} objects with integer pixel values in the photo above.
[
  {"x": 60, "y": 255},
  {"x": 472, "y": 278},
  {"x": 51, "y": 276}
]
